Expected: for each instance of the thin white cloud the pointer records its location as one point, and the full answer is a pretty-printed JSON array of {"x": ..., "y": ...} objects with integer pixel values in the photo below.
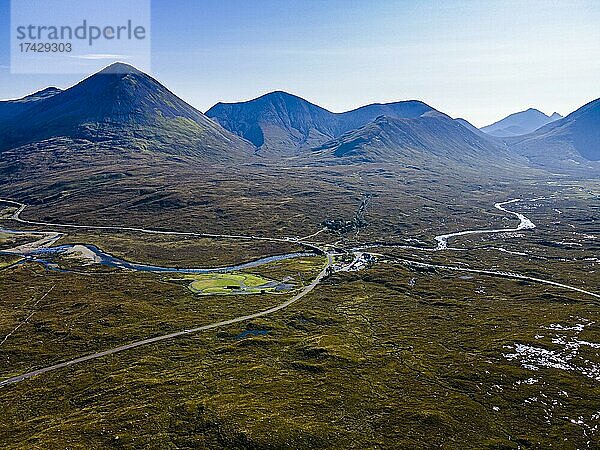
[{"x": 100, "y": 56}]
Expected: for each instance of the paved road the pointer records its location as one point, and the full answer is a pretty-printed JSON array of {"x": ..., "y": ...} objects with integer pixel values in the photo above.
[
  {"x": 525, "y": 223},
  {"x": 512, "y": 275},
  {"x": 16, "y": 216},
  {"x": 165, "y": 337}
]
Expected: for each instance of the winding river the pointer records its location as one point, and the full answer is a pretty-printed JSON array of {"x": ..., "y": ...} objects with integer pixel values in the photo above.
[
  {"x": 109, "y": 260},
  {"x": 524, "y": 224},
  {"x": 442, "y": 240},
  {"x": 44, "y": 246}
]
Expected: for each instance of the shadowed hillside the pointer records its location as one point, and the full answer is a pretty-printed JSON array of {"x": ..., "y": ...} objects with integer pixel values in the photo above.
[
  {"x": 284, "y": 124},
  {"x": 123, "y": 105},
  {"x": 572, "y": 140}
]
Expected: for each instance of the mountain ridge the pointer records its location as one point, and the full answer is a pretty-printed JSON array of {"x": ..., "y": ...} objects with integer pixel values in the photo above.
[
  {"x": 432, "y": 138},
  {"x": 13, "y": 107},
  {"x": 283, "y": 123},
  {"x": 574, "y": 138},
  {"x": 128, "y": 109},
  {"x": 519, "y": 123}
]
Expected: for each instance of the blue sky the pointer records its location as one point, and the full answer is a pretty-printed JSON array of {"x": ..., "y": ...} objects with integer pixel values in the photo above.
[{"x": 480, "y": 60}]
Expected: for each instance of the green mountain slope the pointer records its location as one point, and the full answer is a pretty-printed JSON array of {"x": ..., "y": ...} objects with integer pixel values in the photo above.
[{"x": 125, "y": 106}]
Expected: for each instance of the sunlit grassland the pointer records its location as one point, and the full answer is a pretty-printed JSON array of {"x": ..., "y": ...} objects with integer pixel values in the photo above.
[
  {"x": 301, "y": 270},
  {"x": 8, "y": 260},
  {"x": 227, "y": 284},
  {"x": 367, "y": 360},
  {"x": 83, "y": 313},
  {"x": 179, "y": 251},
  {"x": 386, "y": 357}
]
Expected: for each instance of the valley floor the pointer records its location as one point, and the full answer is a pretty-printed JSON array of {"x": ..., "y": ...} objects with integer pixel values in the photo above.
[{"x": 385, "y": 338}]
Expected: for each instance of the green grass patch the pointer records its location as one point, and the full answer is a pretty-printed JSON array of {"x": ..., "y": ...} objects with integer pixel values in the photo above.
[
  {"x": 300, "y": 269},
  {"x": 8, "y": 260},
  {"x": 229, "y": 283}
]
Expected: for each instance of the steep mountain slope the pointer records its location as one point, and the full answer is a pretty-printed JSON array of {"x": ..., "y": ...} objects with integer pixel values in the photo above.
[
  {"x": 276, "y": 121},
  {"x": 124, "y": 105},
  {"x": 520, "y": 123},
  {"x": 359, "y": 117},
  {"x": 472, "y": 128},
  {"x": 11, "y": 108},
  {"x": 431, "y": 137},
  {"x": 284, "y": 124},
  {"x": 575, "y": 138}
]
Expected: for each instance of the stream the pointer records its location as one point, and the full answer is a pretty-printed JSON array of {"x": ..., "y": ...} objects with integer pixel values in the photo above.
[{"x": 39, "y": 251}]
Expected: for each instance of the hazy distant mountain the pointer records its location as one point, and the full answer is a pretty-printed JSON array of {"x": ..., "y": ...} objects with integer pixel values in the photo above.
[
  {"x": 432, "y": 135},
  {"x": 281, "y": 123},
  {"x": 555, "y": 116},
  {"x": 575, "y": 138},
  {"x": 11, "y": 108},
  {"x": 124, "y": 105},
  {"x": 520, "y": 123}
]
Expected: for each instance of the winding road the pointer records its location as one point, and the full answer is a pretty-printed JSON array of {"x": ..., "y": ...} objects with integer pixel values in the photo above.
[
  {"x": 442, "y": 241},
  {"x": 55, "y": 236},
  {"x": 165, "y": 337},
  {"x": 496, "y": 273},
  {"x": 16, "y": 216}
]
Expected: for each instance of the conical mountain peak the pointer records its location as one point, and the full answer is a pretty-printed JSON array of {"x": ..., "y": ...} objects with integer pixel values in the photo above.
[
  {"x": 121, "y": 68},
  {"x": 112, "y": 103}
]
